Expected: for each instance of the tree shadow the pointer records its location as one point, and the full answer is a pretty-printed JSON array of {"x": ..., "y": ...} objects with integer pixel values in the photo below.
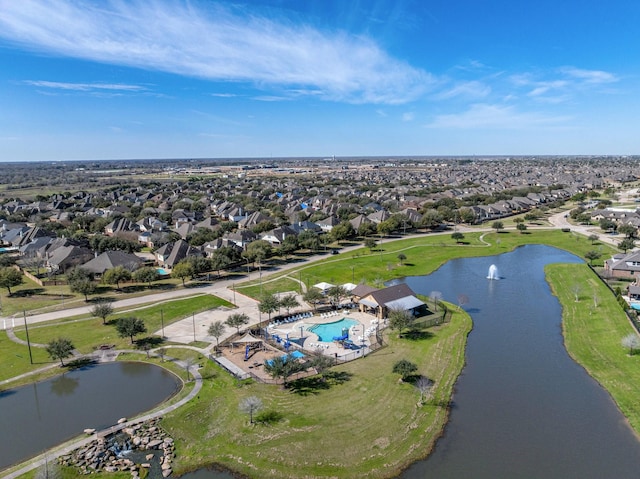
[
  {"x": 102, "y": 299},
  {"x": 81, "y": 363},
  {"x": 149, "y": 341},
  {"x": 417, "y": 335},
  {"x": 25, "y": 293},
  {"x": 315, "y": 384},
  {"x": 136, "y": 288}
]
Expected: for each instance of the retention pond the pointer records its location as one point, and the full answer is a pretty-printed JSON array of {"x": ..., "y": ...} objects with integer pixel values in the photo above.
[{"x": 41, "y": 415}]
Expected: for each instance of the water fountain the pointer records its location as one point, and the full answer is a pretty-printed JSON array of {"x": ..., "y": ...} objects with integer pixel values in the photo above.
[{"x": 493, "y": 272}]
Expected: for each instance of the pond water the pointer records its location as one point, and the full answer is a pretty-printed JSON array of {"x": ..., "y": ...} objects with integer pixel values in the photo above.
[
  {"x": 36, "y": 417},
  {"x": 522, "y": 407}
]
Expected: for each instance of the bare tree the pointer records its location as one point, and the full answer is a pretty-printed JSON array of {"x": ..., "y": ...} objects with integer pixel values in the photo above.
[
  {"x": 425, "y": 386},
  {"x": 436, "y": 297},
  {"x": 596, "y": 300},
  {"x": 632, "y": 342},
  {"x": 250, "y": 405},
  {"x": 462, "y": 300},
  {"x": 576, "y": 289}
]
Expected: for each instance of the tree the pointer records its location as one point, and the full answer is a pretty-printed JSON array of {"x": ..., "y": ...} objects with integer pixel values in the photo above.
[
  {"x": 282, "y": 367},
  {"x": 257, "y": 251},
  {"x": 521, "y": 227},
  {"x": 10, "y": 277},
  {"x": 402, "y": 257},
  {"x": 457, "y": 236},
  {"x": 219, "y": 262},
  {"x": 336, "y": 293},
  {"x": 84, "y": 287},
  {"x": 462, "y": 300},
  {"x": 130, "y": 326},
  {"x": 399, "y": 319},
  {"x": 629, "y": 231},
  {"x": 497, "y": 225},
  {"x": 116, "y": 275},
  {"x": 626, "y": 244},
  {"x": 576, "y": 290},
  {"x": 592, "y": 255},
  {"x": 370, "y": 243},
  {"x": 424, "y": 385},
  {"x": 101, "y": 310},
  {"x": 59, "y": 349},
  {"x": 320, "y": 362},
  {"x": 146, "y": 274},
  {"x": 313, "y": 296},
  {"x": 250, "y": 405},
  {"x": 593, "y": 238},
  {"x": 343, "y": 231},
  {"x": 289, "y": 301},
  {"x": 436, "y": 297},
  {"x": 236, "y": 320},
  {"x": 404, "y": 368},
  {"x": 268, "y": 304},
  {"x": 631, "y": 342},
  {"x": 467, "y": 215},
  {"x": 216, "y": 329},
  {"x": 607, "y": 225},
  {"x": 289, "y": 245},
  {"x": 183, "y": 270}
]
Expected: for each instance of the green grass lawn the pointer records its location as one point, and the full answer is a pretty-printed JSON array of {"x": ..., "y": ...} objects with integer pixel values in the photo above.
[
  {"x": 593, "y": 335},
  {"x": 364, "y": 423},
  {"x": 87, "y": 333}
]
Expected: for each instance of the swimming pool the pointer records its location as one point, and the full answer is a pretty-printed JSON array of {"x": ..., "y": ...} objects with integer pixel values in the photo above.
[
  {"x": 326, "y": 332},
  {"x": 162, "y": 272}
]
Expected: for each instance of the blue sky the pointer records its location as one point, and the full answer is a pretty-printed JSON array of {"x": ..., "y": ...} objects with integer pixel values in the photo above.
[{"x": 204, "y": 79}]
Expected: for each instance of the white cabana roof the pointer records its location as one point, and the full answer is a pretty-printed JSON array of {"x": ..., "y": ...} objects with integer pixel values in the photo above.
[
  {"x": 324, "y": 287},
  {"x": 349, "y": 286},
  {"x": 247, "y": 339},
  {"x": 408, "y": 302}
]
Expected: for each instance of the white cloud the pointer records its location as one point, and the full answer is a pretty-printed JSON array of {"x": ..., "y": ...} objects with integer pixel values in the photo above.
[
  {"x": 409, "y": 116},
  {"x": 217, "y": 44},
  {"x": 483, "y": 115},
  {"x": 589, "y": 76},
  {"x": 113, "y": 87},
  {"x": 469, "y": 89}
]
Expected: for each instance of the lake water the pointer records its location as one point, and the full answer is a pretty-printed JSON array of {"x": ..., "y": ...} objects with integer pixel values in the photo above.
[
  {"x": 36, "y": 417},
  {"x": 522, "y": 407}
]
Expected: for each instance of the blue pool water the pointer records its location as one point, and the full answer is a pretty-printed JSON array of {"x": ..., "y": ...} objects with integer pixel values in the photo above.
[
  {"x": 162, "y": 271},
  {"x": 293, "y": 354},
  {"x": 635, "y": 306},
  {"x": 326, "y": 332}
]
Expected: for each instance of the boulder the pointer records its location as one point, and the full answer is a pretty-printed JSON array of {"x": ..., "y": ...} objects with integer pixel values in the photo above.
[
  {"x": 89, "y": 431},
  {"x": 122, "y": 420}
]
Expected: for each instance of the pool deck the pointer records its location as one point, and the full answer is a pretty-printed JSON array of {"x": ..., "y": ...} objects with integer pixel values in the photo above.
[{"x": 366, "y": 326}]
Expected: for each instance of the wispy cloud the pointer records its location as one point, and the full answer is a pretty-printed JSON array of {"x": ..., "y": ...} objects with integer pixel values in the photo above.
[
  {"x": 483, "y": 115},
  {"x": 590, "y": 76},
  {"x": 217, "y": 43},
  {"x": 408, "y": 116},
  {"x": 85, "y": 87},
  {"x": 467, "y": 89}
]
